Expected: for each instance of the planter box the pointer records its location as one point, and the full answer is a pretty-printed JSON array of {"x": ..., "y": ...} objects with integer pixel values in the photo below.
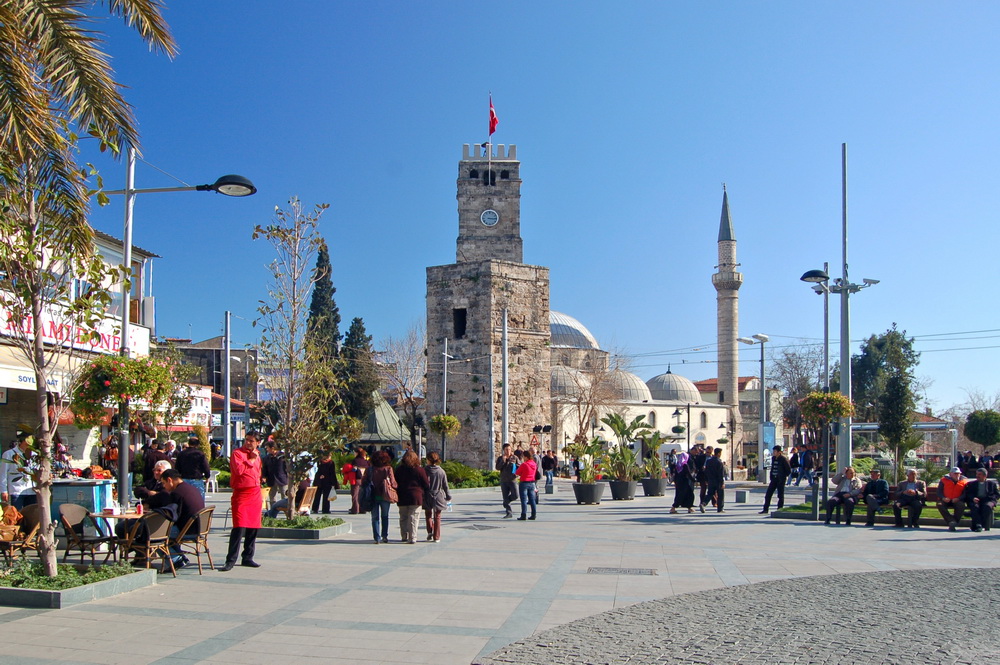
[
  {"x": 654, "y": 486},
  {"x": 304, "y": 534},
  {"x": 622, "y": 490},
  {"x": 37, "y": 598},
  {"x": 588, "y": 492}
]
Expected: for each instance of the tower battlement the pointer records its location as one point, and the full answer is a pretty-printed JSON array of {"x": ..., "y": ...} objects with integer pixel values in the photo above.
[{"x": 476, "y": 152}]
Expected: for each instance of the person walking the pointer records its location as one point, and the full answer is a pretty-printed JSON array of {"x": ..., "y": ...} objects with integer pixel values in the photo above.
[
  {"x": 506, "y": 464},
  {"x": 412, "y": 480},
  {"x": 780, "y": 469},
  {"x": 683, "y": 484},
  {"x": 437, "y": 497},
  {"x": 794, "y": 461},
  {"x": 244, "y": 479},
  {"x": 528, "y": 473},
  {"x": 325, "y": 481},
  {"x": 383, "y": 481},
  {"x": 715, "y": 473},
  {"x": 549, "y": 467},
  {"x": 807, "y": 462},
  {"x": 16, "y": 486},
  {"x": 354, "y": 471},
  {"x": 275, "y": 472}
]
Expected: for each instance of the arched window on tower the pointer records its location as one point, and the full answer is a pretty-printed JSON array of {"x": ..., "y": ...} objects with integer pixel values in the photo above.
[
  {"x": 651, "y": 419},
  {"x": 505, "y": 175},
  {"x": 489, "y": 177},
  {"x": 474, "y": 174},
  {"x": 704, "y": 420}
]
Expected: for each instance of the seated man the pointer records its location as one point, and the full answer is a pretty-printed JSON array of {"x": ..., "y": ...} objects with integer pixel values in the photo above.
[
  {"x": 950, "y": 503},
  {"x": 910, "y": 495},
  {"x": 846, "y": 490},
  {"x": 281, "y": 505},
  {"x": 189, "y": 503},
  {"x": 876, "y": 494},
  {"x": 152, "y": 485},
  {"x": 981, "y": 496}
]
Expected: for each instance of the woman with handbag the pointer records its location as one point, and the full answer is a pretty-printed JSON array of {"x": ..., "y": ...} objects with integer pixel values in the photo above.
[
  {"x": 436, "y": 498},
  {"x": 413, "y": 485},
  {"x": 383, "y": 490}
]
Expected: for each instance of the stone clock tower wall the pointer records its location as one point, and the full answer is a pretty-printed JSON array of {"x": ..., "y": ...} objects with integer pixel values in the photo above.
[{"x": 465, "y": 303}]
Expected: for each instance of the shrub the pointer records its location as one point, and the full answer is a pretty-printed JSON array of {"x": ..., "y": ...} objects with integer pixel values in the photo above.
[
  {"x": 461, "y": 476},
  {"x": 864, "y": 465},
  {"x": 301, "y": 522},
  {"x": 224, "y": 478},
  {"x": 25, "y": 574}
]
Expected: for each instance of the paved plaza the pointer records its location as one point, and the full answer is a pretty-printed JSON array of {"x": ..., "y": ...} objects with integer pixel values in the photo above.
[{"x": 572, "y": 587}]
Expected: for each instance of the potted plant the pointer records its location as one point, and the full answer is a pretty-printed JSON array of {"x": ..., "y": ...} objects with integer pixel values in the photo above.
[
  {"x": 445, "y": 424},
  {"x": 588, "y": 490},
  {"x": 621, "y": 461},
  {"x": 677, "y": 429},
  {"x": 656, "y": 483}
]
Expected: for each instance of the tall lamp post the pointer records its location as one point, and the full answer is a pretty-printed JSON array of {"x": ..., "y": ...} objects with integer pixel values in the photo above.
[
  {"x": 820, "y": 279},
  {"x": 761, "y": 340},
  {"x": 230, "y": 185}
]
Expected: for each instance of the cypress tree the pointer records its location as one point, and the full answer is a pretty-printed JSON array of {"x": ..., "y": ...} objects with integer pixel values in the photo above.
[
  {"x": 362, "y": 376},
  {"x": 324, "y": 316}
]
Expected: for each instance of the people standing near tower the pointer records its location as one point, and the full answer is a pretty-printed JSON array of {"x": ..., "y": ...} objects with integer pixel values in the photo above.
[
  {"x": 506, "y": 464},
  {"x": 527, "y": 473},
  {"x": 437, "y": 497},
  {"x": 715, "y": 473},
  {"x": 412, "y": 481},
  {"x": 244, "y": 479},
  {"x": 698, "y": 459},
  {"x": 383, "y": 482},
  {"x": 683, "y": 484},
  {"x": 780, "y": 469},
  {"x": 354, "y": 471}
]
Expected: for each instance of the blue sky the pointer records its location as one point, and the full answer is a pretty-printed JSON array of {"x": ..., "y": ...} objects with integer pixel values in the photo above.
[{"x": 628, "y": 118}]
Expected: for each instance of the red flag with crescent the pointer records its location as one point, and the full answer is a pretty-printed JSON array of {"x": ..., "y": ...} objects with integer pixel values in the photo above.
[{"x": 494, "y": 121}]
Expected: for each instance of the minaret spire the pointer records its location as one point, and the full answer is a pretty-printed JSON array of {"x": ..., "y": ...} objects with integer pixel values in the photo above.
[{"x": 727, "y": 282}]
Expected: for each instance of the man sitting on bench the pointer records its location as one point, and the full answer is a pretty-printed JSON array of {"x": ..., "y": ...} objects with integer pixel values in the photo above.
[
  {"x": 910, "y": 495},
  {"x": 950, "y": 503},
  {"x": 876, "y": 494},
  {"x": 981, "y": 495}
]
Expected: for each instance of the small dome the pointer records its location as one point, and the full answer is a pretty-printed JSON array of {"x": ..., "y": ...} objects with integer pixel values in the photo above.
[
  {"x": 670, "y": 386},
  {"x": 568, "y": 332},
  {"x": 629, "y": 386},
  {"x": 567, "y": 382}
]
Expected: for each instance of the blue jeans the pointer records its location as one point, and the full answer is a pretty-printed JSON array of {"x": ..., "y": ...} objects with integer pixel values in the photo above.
[
  {"x": 380, "y": 509},
  {"x": 529, "y": 497},
  {"x": 550, "y": 477}
]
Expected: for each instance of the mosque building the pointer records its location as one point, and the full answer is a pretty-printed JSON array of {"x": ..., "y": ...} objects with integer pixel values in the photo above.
[{"x": 489, "y": 324}]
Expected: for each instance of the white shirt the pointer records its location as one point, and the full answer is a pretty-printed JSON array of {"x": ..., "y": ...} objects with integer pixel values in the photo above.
[{"x": 12, "y": 479}]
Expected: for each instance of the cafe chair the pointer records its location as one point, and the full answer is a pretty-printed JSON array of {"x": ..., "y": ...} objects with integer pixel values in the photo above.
[
  {"x": 193, "y": 536},
  {"x": 27, "y": 539},
  {"x": 74, "y": 520},
  {"x": 149, "y": 537},
  {"x": 212, "y": 484}
]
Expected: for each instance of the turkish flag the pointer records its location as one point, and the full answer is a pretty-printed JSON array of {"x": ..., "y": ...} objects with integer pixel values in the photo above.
[{"x": 494, "y": 121}]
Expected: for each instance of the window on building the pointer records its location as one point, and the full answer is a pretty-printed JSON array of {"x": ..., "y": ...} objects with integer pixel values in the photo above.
[
  {"x": 651, "y": 419},
  {"x": 704, "y": 420},
  {"x": 505, "y": 175},
  {"x": 459, "y": 318},
  {"x": 474, "y": 174}
]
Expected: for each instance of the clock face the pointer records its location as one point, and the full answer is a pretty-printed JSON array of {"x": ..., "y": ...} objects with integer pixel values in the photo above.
[{"x": 489, "y": 217}]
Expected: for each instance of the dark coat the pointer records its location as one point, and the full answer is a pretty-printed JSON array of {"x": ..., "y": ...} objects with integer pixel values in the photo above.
[
  {"x": 326, "y": 475},
  {"x": 715, "y": 471},
  {"x": 780, "y": 468},
  {"x": 877, "y": 488},
  {"x": 192, "y": 463},
  {"x": 186, "y": 498},
  {"x": 972, "y": 491},
  {"x": 413, "y": 483},
  {"x": 275, "y": 471}
]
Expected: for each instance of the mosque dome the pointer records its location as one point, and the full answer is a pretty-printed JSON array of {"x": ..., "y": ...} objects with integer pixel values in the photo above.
[
  {"x": 629, "y": 386},
  {"x": 567, "y": 382},
  {"x": 567, "y": 332},
  {"x": 669, "y": 386}
]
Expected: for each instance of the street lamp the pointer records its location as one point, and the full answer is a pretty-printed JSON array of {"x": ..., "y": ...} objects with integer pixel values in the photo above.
[
  {"x": 687, "y": 429},
  {"x": 761, "y": 340},
  {"x": 230, "y": 185}
]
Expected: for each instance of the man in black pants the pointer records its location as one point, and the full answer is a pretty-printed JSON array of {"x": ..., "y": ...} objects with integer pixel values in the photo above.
[
  {"x": 715, "y": 474},
  {"x": 698, "y": 459},
  {"x": 506, "y": 464},
  {"x": 780, "y": 470}
]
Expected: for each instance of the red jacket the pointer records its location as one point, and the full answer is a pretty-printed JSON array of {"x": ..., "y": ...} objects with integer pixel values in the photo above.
[{"x": 952, "y": 489}]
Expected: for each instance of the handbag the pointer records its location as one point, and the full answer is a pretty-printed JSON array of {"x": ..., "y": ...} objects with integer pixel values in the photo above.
[{"x": 388, "y": 491}]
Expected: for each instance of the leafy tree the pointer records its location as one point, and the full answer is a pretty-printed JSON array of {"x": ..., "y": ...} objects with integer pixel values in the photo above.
[
  {"x": 361, "y": 376},
  {"x": 881, "y": 356},
  {"x": 895, "y": 416},
  {"x": 794, "y": 371},
  {"x": 179, "y": 403},
  {"x": 324, "y": 315},
  {"x": 55, "y": 79},
  {"x": 300, "y": 376},
  {"x": 983, "y": 427},
  {"x": 404, "y": 371}
]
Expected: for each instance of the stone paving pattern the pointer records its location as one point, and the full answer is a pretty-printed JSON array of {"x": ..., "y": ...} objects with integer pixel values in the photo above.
[{"x": 493, "y": 582}]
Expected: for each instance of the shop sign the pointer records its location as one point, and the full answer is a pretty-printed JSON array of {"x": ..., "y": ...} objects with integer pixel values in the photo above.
[{"x": 55, "y": 330}]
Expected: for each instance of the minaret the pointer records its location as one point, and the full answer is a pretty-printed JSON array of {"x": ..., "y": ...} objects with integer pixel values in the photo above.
[{"x": 727, "y": 282}]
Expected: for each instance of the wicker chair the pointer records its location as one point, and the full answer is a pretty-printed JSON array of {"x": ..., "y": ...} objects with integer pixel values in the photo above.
[
  {"x": 31, "y": 519},
  {"x": 196, "y": 542},
  {"x": 74, "y": 520},
  {"x": 149, "y": 537}
]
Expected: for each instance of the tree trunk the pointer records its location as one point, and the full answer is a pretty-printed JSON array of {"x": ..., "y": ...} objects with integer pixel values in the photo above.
[{"x": 47, "y": 528}]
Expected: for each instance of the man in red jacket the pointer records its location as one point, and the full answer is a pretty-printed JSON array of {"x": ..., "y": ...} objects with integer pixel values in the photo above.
[{"x": 244, "y": 479}]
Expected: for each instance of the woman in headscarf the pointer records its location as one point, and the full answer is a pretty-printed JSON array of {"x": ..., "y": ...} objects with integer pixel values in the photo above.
[{"x": 683, "y": 484}]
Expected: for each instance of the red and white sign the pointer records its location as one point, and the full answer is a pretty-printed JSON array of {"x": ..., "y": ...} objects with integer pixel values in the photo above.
[{"x": 55, "y": 330}]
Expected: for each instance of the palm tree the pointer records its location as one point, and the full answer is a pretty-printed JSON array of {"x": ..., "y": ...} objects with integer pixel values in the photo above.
[{"x": 57, "y": 82}]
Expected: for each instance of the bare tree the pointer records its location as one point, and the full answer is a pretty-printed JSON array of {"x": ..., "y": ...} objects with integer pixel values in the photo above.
[
  {"x": 403, "y": 369},
  {"x": 796, "y": 371},
  {"x": 592, "y": 394}
]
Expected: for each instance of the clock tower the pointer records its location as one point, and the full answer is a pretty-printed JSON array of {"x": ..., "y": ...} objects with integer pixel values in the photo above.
[
  {"x": 489, "y": 205},
  {"x": 470, "y": 304}
]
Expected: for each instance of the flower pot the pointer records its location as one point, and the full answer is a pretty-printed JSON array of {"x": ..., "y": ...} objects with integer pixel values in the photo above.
[
  {"x": 622, "y": 490},
  {"x": 588, "y": 492},
  {"x": 654, "y": 486}
]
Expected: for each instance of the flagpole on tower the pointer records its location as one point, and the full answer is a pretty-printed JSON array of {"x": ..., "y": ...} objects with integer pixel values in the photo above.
[{"x": 494, "y": 121}]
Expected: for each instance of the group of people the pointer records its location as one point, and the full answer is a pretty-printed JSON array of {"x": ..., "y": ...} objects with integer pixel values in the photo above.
[
  {"x": 955, "y": 494},
  {"x": 703, "y": 467},
  {"x": 411, "y": 487},
  {"x": 520, "y": 470}
]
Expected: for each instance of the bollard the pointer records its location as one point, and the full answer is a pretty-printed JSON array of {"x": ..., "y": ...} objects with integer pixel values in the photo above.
[
  {"x": 741, "y": 496},
  {"x": 815, "y": 501}
]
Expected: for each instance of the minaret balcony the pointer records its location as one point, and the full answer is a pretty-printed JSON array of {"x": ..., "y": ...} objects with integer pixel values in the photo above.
[{"x": 727, "y": 280}]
